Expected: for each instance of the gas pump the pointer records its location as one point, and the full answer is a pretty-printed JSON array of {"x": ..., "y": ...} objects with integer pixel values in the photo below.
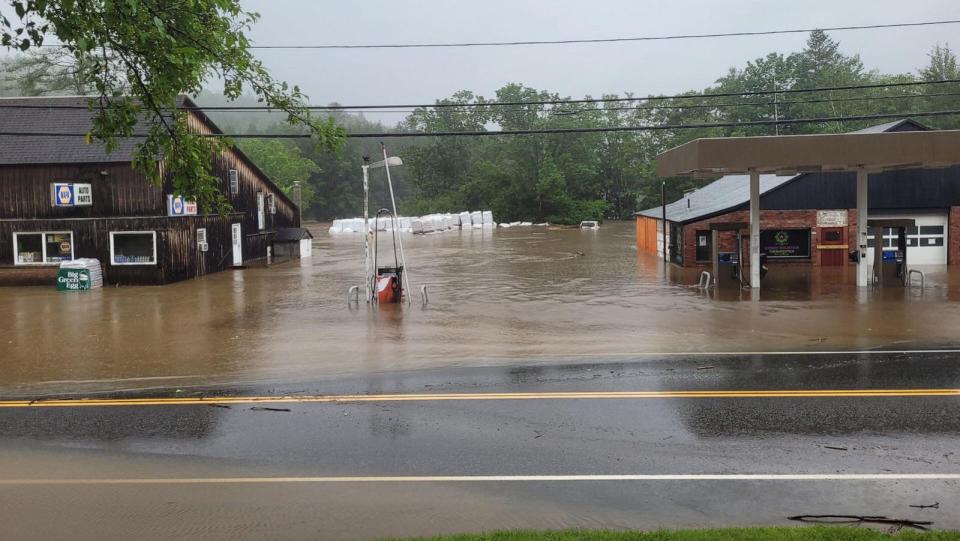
[
  {"x": 890, "y": 266},
  {"x": 728, "y": 266},
  {"x": 388, "y": 280}
]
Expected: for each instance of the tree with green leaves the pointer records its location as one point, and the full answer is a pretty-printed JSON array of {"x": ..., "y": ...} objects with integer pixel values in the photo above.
[
  {"x": 942, "y": 65},
  {"x": 284, "y": 163},
  {"x": 821, "y": 64},
  {"x": 45, "y": 72},
  {"x": 142, "y": 56}
]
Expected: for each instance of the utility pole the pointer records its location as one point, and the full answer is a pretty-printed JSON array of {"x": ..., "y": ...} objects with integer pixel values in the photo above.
[
  {"x": 367, "y": 278},
  {"x": 298, "y": 200},
  {"x": 776, "y": 106},
  {"x": 663, "y": 205}
]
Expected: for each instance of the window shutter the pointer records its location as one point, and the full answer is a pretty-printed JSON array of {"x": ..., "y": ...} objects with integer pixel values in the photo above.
[{"x": 234, "y": 182}]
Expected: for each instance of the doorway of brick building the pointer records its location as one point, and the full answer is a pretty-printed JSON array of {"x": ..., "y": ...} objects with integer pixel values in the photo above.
[{"x": 833, "y": 247}]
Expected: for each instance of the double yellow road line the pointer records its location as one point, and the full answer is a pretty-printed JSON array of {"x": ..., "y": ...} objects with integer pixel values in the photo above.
[{"x": 437, "y": 397}]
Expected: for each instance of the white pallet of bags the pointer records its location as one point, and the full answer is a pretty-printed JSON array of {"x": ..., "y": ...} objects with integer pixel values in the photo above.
[
  {"x": 465, "y": 222},
  {"x": 488, "y": 219},
  {"x": 476, "y": 218},
  {"x": 429, "y": 226},
  {"x": 336, "y": 226}
]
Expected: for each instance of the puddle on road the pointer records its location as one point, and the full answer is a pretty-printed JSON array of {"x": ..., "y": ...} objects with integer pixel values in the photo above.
[{"x": 496, "y": 296}]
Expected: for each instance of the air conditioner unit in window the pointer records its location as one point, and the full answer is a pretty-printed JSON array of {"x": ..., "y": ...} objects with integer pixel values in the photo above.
[
  {"x": 234, "y": 182},
  {"x": 203, "y": 246}
]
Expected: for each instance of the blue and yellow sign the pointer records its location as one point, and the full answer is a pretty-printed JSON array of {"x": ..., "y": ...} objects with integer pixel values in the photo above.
[
  {"x": 71, "y": 194},
  {"x": 179, "y": 206}
]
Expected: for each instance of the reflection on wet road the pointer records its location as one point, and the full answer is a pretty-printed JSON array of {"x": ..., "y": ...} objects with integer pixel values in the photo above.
[
  {"x": 276, "y": 469},
  {"x": 498, "y": 297}
]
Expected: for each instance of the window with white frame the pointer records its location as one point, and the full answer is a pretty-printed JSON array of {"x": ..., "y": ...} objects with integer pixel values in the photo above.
[
  {"x": 42, "y": 247},
  {"x": 133, "y": 247}
]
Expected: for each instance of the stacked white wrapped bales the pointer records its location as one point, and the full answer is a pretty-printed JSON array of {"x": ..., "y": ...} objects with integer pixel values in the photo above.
[{"x": 423, "y": 224}]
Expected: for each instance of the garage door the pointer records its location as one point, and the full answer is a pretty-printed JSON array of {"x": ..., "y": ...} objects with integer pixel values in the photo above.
[{"x": 926, "y": 243}]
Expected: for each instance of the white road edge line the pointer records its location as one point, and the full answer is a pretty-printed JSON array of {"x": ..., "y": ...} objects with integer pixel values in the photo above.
[
  {"x": 736, "y": 353},
  {"x": 495, "y": 478}
]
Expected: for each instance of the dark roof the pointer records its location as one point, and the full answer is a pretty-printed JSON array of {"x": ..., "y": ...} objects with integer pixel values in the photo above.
[
  {"x": 291, "y": 234},
  {"x": 733, "y": 191},
  {"x": 63, "y": 115},
  {"x": 69, "y": 115},
  {"x": 905, "y": 124},
  {"x": 19, "y": 150}
]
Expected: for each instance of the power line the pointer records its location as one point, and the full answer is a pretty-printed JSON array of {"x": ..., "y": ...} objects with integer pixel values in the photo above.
[
  {"x": 441, "y": 105},
  {"x": 545, "y": 131},
  {"x": 593, "y": 41},
  {"x": 656, "y": 107},
  {"x": 609, "y": 40}
]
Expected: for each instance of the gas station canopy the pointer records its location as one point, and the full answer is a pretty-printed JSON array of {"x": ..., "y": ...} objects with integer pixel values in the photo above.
[{"x": 792, "y": 154}]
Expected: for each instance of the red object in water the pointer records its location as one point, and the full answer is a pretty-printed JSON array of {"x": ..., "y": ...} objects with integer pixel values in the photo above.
[{"x": 388, "y": 289}]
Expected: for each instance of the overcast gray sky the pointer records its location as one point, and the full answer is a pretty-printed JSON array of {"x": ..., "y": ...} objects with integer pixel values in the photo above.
[{"x": 422, "y": 75}]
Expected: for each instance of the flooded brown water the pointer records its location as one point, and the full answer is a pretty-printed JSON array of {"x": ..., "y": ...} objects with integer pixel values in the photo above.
[{"x": 527, "y": 295}]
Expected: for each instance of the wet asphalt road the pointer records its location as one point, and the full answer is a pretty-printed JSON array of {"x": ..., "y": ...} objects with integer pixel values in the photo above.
[{"x": 504, "y": 437}]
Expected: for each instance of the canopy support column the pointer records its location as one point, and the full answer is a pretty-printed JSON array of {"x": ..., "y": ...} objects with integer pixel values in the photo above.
[
  {"x": 863, "y": 271},
  {"x": 754, "y": 229}
]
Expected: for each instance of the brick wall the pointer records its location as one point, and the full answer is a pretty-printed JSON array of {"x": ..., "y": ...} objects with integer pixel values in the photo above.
[
  {"x": 852, "y": 240},
  {"x": 787, "y": 219},
  {"x": 795, "y": 219},
  {"x": 953, "y": 236}
]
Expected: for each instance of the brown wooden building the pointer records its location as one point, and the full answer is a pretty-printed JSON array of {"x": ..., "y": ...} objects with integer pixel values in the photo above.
[{"x": 63, "y": 199}]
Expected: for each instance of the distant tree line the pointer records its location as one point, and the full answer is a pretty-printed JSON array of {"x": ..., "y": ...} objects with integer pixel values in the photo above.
[{"x": 564, "y": 178}]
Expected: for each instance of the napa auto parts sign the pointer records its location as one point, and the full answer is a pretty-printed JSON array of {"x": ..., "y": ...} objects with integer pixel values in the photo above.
[
  {"x": 71, "y": 194},
  {"x": 178, "y": 206}
]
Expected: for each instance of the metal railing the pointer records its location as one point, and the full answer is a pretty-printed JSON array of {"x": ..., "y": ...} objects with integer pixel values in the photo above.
[
  {"x": 910, "y": 274},
  {"x": 354, "y": 292},
  {"x": 705, "y": 280}
]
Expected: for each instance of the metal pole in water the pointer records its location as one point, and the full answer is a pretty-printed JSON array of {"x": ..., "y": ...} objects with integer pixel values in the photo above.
[
  {"x": 754, "y": 232},
  {"x": 366, "y": 232},
  {"x": 393, "y": 201}
]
